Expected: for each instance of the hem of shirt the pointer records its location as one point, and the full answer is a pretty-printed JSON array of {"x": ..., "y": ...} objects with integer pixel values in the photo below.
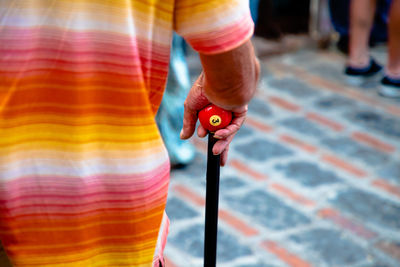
[{"x": 247, "y": 37}]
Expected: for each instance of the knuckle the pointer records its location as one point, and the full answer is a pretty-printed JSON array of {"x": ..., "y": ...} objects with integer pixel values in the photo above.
[
  {"x": 234, "y": 128},
  {"x": 186, "y": 105}
]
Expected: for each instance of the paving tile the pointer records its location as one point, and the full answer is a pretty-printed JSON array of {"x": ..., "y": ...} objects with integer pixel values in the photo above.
[
  {"x": 189, "y": 194},
  {"x": 260, "y": 107},
  {"x": 373, "y": 142},
  {"x": 260, "y": 264},
  {"x": 325, "y": 121},
  {"x": 177, "y": 209},
  {"x": 293, "y": 87},
  {"x": 303, "y": 57},
  {"x": 234, "y": 221},
  {"x": 344, "y": 165},
  {"x": 259, "y": 125},
  {"x": 244, "y": 132},
  {"x": 390, "y": 171},
  {"x": 285, "y": 255},
  {"x": 262, "y": 150},
  {"x": 195, "y": 169},
  {"x": 330, "y": 246},
  {"x": 391, "y": 248},
  {"x": 298, "y": 142},
  {"x": 376, "y": 264},
  {"x": 285, "y": 104},
  {"x": 267, "y": 210},
  {"x": 289, "y": 193},
  {"x": 244, "y": 168},
  {"x": 372, "y": 120},
  {"x": 307, "y": 173},
  {"x": 352, "y": 149},
  {"x": 369, "y": 208},
  {"x": 303, "y": 126},
  {"x": 346, "y": 223},
  {"x": 230, "y": 183},
  {"x": 389, "y": 187},
  {"x": 328, "y": 71},
  {"x": 335, "y": 102},
  {"x": 191, "y": 240}
]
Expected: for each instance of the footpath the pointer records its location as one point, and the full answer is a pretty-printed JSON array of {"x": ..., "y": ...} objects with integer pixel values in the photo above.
[{"x": 313, "y": 177}]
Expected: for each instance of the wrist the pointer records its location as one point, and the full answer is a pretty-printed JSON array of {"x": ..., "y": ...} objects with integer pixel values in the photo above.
[{"x": 229, "y": 100}]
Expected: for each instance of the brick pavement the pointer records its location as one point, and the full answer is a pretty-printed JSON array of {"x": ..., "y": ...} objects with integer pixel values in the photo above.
[{"x": 313, "y": 177}]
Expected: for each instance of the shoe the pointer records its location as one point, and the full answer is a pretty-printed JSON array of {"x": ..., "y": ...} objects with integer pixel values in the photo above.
[
  {"x": 390, "y": 87},
  {"x": 357, "y": 76}
]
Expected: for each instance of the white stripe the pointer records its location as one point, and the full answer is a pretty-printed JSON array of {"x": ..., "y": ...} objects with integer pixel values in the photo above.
[
  {"x": 70, "y": 168},
  {"x": 222, "y": 16},
  {"x": 87, "y": 18}
]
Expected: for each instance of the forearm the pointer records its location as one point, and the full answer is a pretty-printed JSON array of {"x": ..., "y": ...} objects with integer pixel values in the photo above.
[{"x": 230, "y": 78}]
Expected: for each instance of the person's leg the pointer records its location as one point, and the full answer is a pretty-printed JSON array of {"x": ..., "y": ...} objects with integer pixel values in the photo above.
[
  {"x": 390, "y": 84},
  {"x": 362, "y": 14},
  {"x": 393, "y": 66},
  {"x": 360, "y": 66}
]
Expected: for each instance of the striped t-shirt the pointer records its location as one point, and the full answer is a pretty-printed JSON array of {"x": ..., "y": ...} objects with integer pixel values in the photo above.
[{"x": 83, "y": 170}]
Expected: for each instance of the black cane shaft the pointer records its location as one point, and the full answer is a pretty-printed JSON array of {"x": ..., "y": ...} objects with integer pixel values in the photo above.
[{"x": 212, "y": 194}]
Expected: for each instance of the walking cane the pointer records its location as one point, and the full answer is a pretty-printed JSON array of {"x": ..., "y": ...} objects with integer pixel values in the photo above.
[{"x": 212, "y": 118}]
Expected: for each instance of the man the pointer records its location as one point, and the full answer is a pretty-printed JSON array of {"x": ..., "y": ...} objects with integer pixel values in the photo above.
[{"x": 83, "y": 171}]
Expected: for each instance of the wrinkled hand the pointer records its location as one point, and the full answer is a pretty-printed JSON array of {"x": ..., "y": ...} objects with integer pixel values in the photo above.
[{"x": 196, "y": 101}]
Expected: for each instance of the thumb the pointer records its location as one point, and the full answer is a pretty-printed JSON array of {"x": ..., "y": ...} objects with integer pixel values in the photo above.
[
  {"x": 189, "y": 122},
  {"x": 194, "y": 102}
]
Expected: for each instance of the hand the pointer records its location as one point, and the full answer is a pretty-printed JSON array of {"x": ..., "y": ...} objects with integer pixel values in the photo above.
[{"x": 196, "y": 101}]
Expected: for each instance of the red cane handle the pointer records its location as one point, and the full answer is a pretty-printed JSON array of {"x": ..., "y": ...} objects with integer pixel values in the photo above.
[{"x": 213, "y": 118}]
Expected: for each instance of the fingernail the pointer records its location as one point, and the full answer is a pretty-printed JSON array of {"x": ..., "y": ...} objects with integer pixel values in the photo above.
[
  {"x": 217, "y": 136},
  {"x": 181, "y": 134}
]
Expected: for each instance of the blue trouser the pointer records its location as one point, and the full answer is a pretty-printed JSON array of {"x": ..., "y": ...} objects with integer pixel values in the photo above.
[{"x": 254, "y": 9}]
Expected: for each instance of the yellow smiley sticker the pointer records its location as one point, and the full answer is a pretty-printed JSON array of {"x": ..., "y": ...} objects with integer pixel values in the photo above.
[{"x": 215, "y": 120}]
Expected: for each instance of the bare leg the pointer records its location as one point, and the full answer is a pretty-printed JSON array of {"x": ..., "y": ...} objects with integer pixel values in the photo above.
[
  {"x": 393, "y": 67},
  {"x": 362, "y": 14}
]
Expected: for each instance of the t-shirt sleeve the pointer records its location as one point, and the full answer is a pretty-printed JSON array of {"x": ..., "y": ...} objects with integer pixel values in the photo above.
[{"x": 213, "y": 26}]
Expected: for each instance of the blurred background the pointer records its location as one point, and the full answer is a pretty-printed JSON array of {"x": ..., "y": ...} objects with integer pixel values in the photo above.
[{"x": 313, "y": 177}]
